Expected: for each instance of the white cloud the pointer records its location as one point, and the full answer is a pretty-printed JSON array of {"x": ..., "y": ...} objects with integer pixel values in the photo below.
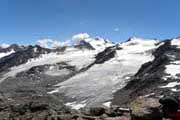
[
  {"x": 44, "y": 43},
  {"x": 116, "y": 29},
  {"x": 4, "y": 45},
  {"x": 67, "y": 43},
  {"x": 56, "y": 44},
  {"x": 50, "y": 43},
  {"x": 80, "y": 36}
]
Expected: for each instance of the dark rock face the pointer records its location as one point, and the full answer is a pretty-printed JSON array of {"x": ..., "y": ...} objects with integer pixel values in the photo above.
[
  {"x": 21, "y": 56},
  {"x": 14, "y": 47},
  {"x": 35, "y": 81},
  {"x": 84, "y": 45},
  {"x": 105, "y": 55},
  {"x": 95, "y": 111},
  {"x": 48, "y": 107},
  {"x": 31, "y": 108}
]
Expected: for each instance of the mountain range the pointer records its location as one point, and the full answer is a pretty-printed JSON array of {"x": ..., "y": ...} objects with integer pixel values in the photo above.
[{"x": 94, "y": 71}]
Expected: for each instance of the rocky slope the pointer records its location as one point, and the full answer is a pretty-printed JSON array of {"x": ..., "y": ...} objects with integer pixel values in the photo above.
[
  {"x": 156, "y": 78},
  {"x": 93, "y": 72}
]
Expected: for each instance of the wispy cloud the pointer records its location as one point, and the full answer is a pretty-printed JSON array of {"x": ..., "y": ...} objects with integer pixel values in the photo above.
[
  {"x": 116, "y": 29},
  {"x": 50, "y": 43}
]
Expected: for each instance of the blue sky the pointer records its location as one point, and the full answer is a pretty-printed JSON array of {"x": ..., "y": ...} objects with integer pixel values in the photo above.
[{"x": 26, "y": 21}]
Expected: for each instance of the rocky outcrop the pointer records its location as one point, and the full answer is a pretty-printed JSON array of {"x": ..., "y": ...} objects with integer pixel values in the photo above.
[
  {"x": 105, "y": 55},
  {"x": 14, "y": 47},
  {"x": 48, "y": 107},
  {"x": 146, "y": 109},
  {"x": 84, "y": 45},
  {"x": 21, "y": 56},
  {"x": 31, "y": 108}
]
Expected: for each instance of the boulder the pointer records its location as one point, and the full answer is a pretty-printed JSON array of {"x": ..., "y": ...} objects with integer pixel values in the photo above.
[{"x": 145, "y": 109}]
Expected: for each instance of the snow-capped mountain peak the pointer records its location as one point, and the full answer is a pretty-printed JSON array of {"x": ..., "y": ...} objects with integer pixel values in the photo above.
[
  {"x": 95, "y": 66},
  {"x": 139, "y": 45}
]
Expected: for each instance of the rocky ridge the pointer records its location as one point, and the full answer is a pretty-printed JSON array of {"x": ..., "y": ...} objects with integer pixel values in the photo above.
[{"x": 93, "y": 73}]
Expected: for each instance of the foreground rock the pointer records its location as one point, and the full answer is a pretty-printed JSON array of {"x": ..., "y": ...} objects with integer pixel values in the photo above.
[
  {"x": 31, "y": 108},
  {"x": 146, "y": 109},
  {"x": 48, "y": 107}
]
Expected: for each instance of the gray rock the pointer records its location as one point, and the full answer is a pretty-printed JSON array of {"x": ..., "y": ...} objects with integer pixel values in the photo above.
[{"x": 145, "y": 109}]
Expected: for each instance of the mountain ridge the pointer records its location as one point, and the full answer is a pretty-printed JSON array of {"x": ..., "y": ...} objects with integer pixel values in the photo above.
[{"x": 94, "y": 71}]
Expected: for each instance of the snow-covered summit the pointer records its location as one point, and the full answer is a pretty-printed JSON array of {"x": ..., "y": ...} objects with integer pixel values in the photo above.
[
  {"x": 138, "y": 45},
  {"x": 90, "y": 70}
]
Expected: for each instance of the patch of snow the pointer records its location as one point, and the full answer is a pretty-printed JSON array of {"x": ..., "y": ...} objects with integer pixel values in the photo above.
[
  {"x": 166, "y": 77},
  {"x": 107, "y": 104},
  {"x": 6, "y": 54},
  {"x": 54, "y": 91},
  {"x": 148, "y": 95},
  {"x": 170, "y": 85},
  {"x": 35, "y": 49},
  {"x": 127, "y": 77},
  {"x": 173, "y": 69},
  {"x": 175, "y": 90},
  {"x": 124, "y": 109},
  {"x": 75, "y": 105}
]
